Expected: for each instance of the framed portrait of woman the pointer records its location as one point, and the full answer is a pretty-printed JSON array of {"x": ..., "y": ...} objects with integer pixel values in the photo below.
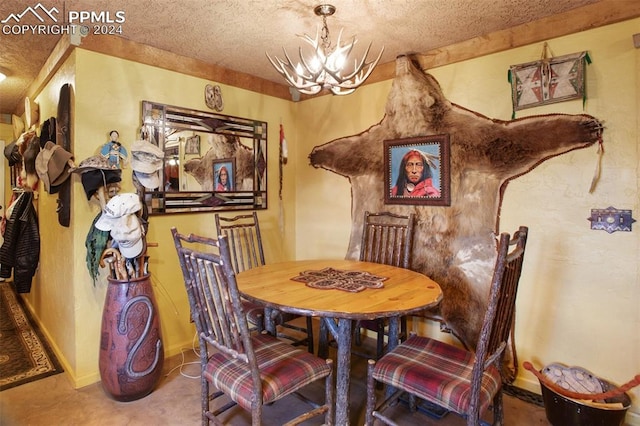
[
  {"x": 224, "y": 175},
  {"x": 417, "y": 171}
]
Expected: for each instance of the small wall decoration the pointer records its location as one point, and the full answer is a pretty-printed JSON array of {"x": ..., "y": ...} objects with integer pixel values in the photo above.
[
  {"x": 224, "y": 174},
  {"x": 192, "y": 145},
  {"x": 548, "y": 80},
  {"x": 611, "y": 219},
  {"x": 213, "y": 97},
  {"x": 417, "y": 171},
  {"x": 114, "y": 152}
]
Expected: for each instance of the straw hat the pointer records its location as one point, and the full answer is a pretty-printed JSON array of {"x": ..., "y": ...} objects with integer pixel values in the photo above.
[
  {"x": 18, "y": 126},
  {"x": 31, "y": 113}
]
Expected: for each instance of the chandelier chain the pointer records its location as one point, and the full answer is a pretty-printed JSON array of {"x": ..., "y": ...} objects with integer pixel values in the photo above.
[{"x": 326, "y": 40}]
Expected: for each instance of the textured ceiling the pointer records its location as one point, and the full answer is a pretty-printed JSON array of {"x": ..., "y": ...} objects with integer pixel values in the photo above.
[{"x": 235, "y": 34}]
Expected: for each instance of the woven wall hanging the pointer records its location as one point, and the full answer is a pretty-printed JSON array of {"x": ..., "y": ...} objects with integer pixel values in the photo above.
[{"x": 549, "y": 80}]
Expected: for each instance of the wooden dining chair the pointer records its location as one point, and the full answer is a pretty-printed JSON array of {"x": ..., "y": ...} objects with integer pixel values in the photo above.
[
  {"x": 245, "y": 244},
  {"x": 386, "y": 238},
  {"x": 252, "y": 369},
  {"x": 456, "y": 379}
]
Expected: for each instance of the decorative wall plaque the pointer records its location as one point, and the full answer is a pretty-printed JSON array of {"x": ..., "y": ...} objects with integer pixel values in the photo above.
[
  {"x": 213, "y": 97},
  {"x": 611, "y": 219}
]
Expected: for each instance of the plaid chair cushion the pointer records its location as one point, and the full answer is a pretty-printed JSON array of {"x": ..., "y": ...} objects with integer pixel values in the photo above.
[
  {"x": 283, "y": 368},
  {"x": 254, "y": 312},
  {"x": 436, "y": 372}
]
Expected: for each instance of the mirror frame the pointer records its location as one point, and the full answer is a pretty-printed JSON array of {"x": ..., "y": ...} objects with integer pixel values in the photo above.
[{"x": 159, "y": 121}]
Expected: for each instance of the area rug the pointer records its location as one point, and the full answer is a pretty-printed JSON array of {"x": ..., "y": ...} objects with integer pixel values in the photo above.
[{"x": 25, "y": 355}]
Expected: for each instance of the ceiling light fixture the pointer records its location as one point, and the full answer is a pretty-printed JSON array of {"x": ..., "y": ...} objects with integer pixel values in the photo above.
[
  {"x": 2, "y": 76},
  {"x": 326, "y": 67}
]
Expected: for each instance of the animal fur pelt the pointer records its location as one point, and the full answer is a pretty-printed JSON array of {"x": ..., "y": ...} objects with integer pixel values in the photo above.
[
  {"x": 454, "y": 245},
  {"x": 223, "y": 146}
]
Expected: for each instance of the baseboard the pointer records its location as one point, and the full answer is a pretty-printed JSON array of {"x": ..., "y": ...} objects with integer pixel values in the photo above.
[
  {"x": 531, "y": 385},
  {"x": 89, "y": 379}
]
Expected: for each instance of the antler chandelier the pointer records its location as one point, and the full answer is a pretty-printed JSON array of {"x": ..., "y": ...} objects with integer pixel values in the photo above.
[{"x": 327, "y": 67}]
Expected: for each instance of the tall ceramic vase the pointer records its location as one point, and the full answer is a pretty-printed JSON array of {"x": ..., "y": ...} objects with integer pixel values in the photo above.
[{"x": 131, "y": 352}]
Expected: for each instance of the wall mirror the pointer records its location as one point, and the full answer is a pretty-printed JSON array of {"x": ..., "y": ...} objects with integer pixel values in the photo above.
[{"x": 212, "y": 161}]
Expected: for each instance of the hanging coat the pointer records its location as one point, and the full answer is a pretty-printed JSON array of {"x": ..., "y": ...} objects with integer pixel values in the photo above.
[{"x": 20, "y": 251}]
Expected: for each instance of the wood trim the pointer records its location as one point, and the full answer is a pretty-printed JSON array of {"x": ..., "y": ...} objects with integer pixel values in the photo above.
[
  {"x": 596, "y": 15},
  {"x": 60, "y": 53},
  {"x": 599, "y": 14},
  {"x": 125, "y": 49}
]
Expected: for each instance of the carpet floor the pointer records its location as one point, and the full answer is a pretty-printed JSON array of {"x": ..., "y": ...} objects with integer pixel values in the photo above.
[
  {"x": 176, "y": 401},
  {"x": 24, "y": 353}
]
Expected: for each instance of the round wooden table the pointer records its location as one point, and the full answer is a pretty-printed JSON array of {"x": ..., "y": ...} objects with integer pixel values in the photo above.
[{"x": 404, "y": 292}]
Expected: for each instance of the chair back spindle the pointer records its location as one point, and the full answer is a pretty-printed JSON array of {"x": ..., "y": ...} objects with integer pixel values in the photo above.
[
  {"x": 245, "y": 241},
  {"x": 213, "y": 295},
  {"x": 500, "y": 315},
  {"x": 387, "y": 238}
]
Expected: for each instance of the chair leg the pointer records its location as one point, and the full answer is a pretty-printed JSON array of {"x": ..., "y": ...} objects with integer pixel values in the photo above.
[
  {"x": 498, "y": 409},
  {"x": 330, "y": 396},
  {"x": 371, "y": 394},
  {"x": 323, "y": 340},
  {"x": 204, "y": 400},
  {"x": 204, "y": 383},
  {"x": 380, "y": 339},
  {"x": 404, "y": 335},
  {"x": 310, "y": 347},
  {"x": 358, "y": 333},
  {"x": 260, "y": 324}
]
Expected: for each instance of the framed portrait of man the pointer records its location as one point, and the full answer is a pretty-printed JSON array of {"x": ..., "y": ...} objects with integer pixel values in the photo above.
[
  {"x": 417, "y": 171},
  {"x": 224, "y": 175}
]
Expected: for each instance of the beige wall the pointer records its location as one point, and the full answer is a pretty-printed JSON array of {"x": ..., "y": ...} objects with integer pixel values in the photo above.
[
  {"x": 63, "y": 297},
  {"x": 579, "y": 300},
  {"x": 6, "y": 134},
  {"x": 52, "y": 296}
]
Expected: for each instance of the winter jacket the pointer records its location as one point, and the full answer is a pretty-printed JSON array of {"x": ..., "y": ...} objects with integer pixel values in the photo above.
[{"x": 21, "y": 248}]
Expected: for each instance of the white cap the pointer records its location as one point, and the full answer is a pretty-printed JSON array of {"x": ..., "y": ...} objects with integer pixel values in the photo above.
[
  {"x": 117, "y": 207},
  {"x": 128, "y": 236},
  {"x": 148, "y": 180},
  {"x": 146, "y": 157}
]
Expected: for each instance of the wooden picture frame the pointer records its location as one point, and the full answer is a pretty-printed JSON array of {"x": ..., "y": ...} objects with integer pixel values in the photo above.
[
  {"x": 219, "y": 167},
  {"x": 192, "y": 145},
  {"x": 426, "y": 179}
]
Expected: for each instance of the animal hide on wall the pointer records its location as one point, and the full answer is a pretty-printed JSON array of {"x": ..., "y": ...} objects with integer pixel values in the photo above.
[{"x": 455, "y": 245}]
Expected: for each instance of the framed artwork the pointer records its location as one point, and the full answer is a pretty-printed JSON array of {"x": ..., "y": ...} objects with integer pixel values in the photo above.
[
  {"x": 224, "y": 175},
  {"x": 192, "y": 145},
  {"x": 417, "y": 171},
  {"x": 547, "y": 81}
]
